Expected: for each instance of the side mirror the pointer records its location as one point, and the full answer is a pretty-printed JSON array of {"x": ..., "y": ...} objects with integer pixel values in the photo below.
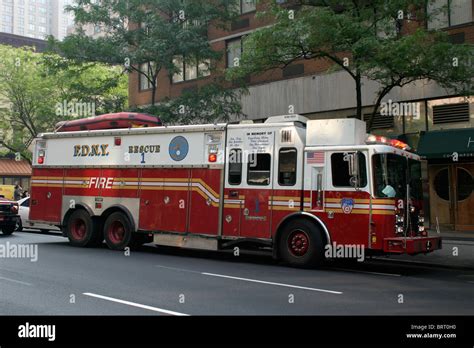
[{"x": 354, "y": 173}]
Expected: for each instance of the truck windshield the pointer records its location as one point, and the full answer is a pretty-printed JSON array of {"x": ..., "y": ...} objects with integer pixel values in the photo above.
[
  {"x": 416, "y": 189},
  {"x": 391, "y": 173}
]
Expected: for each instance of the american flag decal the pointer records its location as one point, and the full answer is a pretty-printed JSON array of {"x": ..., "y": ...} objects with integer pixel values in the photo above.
[{"x": 315, "y": 158}]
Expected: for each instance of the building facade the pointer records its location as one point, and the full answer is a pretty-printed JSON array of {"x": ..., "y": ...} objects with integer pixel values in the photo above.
[
  {"x": 14, "y": 172},
  {"x": 306, "y": 88},
  {"x": 35, "y": 18}
]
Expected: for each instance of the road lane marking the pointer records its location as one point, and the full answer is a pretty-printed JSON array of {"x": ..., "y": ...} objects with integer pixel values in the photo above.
[
  {"x": 249, "y": 280},
  {"x": 15, "y": 281},
  {"x": 368, "y": 272},
  {"x": 178, "y": 269},
  {"x": 133, "y": 304},
  {"x": 272, "y": 283}
]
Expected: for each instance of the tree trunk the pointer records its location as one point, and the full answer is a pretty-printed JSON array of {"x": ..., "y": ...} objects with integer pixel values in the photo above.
[
  {"x": 153, "y": 94},
  {"x": 358, "y": 94}
]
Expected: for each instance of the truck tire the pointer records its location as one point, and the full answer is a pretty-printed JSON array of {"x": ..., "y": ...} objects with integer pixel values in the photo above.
[
  {"x": 118, "y": 232},
  {"x": 81, "y": 230},
  {"x": 8, "y": 229},
  {"x": 301, "y": 244}
]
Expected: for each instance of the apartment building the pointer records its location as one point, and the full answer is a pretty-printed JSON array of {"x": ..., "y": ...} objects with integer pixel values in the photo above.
[
  {"x": 441, "y": 129},
  {"x": 35, "y": 18}
]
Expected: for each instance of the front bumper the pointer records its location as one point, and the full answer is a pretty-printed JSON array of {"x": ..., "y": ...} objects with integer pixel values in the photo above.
[
  {"x": 411, "y": 245},
  {"x": 9, "y": 219}
]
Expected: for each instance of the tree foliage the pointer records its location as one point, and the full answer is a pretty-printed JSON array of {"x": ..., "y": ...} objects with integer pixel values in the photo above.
[
  {"x": 38, "y": 90},
  {"x": 383, "y": 41},
  {"x": 145, "y": 37}
]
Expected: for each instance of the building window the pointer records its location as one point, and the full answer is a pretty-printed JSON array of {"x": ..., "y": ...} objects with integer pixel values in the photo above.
[
  {"x": 144, "y": 82},
  {"x": 245, "y": 6},
  {"x": 340, "y": 170},
  {"x": 234, "y": 52},
  {"x": 235, "y": 167},
  {"x": 447, "y": 13},
  {"x": 258, "y": 170},
  {"x": 190, "y": 71},
  {"x": 287, "y": 167}
]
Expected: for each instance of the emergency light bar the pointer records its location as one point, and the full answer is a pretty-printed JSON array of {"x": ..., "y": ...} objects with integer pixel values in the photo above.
[{"x": 377, "y": 139}]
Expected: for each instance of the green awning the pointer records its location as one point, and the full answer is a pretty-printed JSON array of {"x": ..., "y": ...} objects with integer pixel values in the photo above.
[{"x": 443, "y": 143}]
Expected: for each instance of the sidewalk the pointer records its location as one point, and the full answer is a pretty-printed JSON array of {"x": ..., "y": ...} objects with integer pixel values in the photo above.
[{"x": 457, "y": 252}]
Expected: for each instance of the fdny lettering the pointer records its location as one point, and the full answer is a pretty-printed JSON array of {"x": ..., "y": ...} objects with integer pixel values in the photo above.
[
  {"x": 91, "y": 151},
  {"x": 144, "y": 149},
  {"x": 105, "y": 183}
]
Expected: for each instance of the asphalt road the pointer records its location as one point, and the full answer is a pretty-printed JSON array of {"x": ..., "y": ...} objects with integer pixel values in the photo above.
[{"x": 166, "y": 281}]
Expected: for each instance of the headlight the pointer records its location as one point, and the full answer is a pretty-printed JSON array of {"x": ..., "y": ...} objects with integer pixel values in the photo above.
[
  {"x": 421, "y": 219},
  {"x": 400, "y": 219}
]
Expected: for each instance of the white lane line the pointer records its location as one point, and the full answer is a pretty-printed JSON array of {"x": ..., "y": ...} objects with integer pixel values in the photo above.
[
  {"x": 272, "y": 283},
  {"x": 178, "y": 269},
  {"x": 472, "y": 282},
  {"x": 15, "y": 281},
  {"x": 368, "y": 272},
  {"x": 133, "y": 304}
]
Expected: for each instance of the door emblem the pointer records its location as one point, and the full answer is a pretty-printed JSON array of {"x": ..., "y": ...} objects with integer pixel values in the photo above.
[
  {"x": 347, "y": 204},
  {"x": 178, "y": 148}
]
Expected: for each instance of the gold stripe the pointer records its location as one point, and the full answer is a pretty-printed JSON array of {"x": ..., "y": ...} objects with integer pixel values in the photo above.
[
  {"x": 362, "y": 201},
  {"x": 285, "y": 208},
  {"x": 45, "y": 185}
]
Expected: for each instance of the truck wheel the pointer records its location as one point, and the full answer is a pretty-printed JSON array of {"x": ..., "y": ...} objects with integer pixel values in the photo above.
[
  {"x": 81, "y": 230},
  {"x": 8, "y": 229},
  {"x": 301, "y": 244},
  {"x": 118, "y": 232}
]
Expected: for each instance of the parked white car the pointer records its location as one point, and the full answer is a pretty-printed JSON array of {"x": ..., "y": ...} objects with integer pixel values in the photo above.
[{"x": 23, "y": 222}]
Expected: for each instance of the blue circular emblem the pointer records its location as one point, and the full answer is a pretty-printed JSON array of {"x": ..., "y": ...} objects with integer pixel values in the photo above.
[{"x": 179, "y": 148}]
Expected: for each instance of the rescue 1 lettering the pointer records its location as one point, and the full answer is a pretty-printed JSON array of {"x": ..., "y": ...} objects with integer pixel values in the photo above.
[
  {"x": 91, "y": 151},
  {"x": 105, "y": 183},
  {"x": 144, "y": 149}
]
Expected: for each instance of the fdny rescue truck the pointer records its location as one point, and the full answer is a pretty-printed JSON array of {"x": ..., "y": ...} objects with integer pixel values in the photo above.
[{"x": 290, "y": 184}]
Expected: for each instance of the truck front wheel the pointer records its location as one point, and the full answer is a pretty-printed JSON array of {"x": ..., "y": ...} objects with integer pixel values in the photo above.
[
  {"x": 81, "y": 230},
  {"x": 301, "y": 244}
]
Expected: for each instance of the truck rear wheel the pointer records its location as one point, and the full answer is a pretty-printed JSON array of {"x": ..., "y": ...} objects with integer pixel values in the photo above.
[
  {"x": 301, "y": 244},
  {"x": 8, "y": 229},
  {"x": 118, "y": 231},
  {"x": 81, "y": 230}
]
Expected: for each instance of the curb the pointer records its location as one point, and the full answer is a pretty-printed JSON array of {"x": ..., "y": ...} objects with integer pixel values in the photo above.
[{"x": 425, "y": 264}]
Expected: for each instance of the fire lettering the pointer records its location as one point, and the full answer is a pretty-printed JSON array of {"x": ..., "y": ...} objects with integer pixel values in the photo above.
[{"x": 105, "y": 183}]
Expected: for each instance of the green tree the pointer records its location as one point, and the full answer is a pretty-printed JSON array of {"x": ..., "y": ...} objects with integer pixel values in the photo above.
[
  {"x": 148, "y": 37},
  {"x": 366, "y": 39},
  {"x": 34, "y": 86}
]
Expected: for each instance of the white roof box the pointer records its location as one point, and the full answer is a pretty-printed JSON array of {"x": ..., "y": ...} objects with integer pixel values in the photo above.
[
  {"x": 287, "y": 118},
  {"x": 343, "y": 131}
]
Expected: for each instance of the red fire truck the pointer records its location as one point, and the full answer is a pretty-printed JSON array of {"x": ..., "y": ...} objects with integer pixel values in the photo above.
[{"x": 290, "y": 184}]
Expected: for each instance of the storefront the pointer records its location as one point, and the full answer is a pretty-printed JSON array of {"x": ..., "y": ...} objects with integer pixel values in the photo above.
[{"x": 450, "y": 159}]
